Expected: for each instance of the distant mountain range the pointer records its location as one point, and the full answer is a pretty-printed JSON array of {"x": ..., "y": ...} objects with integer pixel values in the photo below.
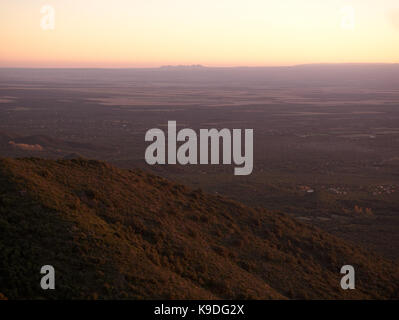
[
  {"x": 193, "y": 66},
  {"x": 114, "y": 234},
  {"x": 370, "y": 75}
]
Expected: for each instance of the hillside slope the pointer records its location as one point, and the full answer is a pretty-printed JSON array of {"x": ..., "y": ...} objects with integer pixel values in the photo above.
[{"x": 113, "y": 233}]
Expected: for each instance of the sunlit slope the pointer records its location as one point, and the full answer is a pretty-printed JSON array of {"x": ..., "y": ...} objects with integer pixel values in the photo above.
[{"x": 113, "y": 233}]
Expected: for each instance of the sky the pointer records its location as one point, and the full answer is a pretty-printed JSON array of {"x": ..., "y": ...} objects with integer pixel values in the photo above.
[{"x": 151, "y": 33}]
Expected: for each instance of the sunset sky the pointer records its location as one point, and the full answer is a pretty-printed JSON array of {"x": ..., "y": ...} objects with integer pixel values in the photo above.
[{"x": 138, "y": 33}]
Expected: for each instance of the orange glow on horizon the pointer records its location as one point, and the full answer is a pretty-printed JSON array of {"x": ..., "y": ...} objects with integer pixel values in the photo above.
[{"x": 124, "y": 33}]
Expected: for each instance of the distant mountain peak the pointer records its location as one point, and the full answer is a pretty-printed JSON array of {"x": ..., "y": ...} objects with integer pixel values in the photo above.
[{"x": 183, "y": 67}]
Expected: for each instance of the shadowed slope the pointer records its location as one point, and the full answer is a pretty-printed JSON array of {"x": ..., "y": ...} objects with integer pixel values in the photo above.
[{"x": 113, "y": 233}]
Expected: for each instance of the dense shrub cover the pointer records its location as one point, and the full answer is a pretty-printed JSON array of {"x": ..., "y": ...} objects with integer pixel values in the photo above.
[{"x": 116, "y": 234}]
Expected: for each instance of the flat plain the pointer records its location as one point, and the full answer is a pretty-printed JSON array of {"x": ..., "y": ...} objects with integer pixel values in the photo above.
[{"x": 326, "y": 136}]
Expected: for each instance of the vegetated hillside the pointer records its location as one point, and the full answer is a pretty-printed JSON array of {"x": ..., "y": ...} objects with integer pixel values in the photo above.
[{"x": 113, "y": 233}]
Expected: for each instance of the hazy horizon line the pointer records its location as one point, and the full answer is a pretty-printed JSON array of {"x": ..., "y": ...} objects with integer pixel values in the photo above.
[{"x": 200, "y": 66}]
